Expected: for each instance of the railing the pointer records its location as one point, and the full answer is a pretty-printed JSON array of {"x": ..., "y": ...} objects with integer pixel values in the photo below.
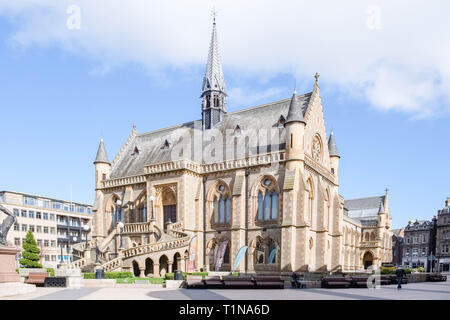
[
  {"x": 123, "y": 181},
  {"x": 77, "y": 264},
  {"x": 177, "y": 225},
  {"x": 140, "y": 227},
  {"x": 369, "y": 244},
  {"x": 158, "y": 246},
  {"x": 112, "y": 265}
]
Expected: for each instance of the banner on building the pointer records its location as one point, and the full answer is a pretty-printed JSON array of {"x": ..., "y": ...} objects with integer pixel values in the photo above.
[
  {"x": 239, "y": 257},
  {"x": 191, "y": 263},
  {"x": 221, "y": 254},
  {"x": 272, "y": 255}
]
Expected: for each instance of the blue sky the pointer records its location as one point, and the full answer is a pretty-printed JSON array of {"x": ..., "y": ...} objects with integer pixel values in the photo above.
[{"x": 61, "y": 91}]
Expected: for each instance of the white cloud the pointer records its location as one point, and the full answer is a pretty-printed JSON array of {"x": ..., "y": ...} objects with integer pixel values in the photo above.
[
  {"x": 401, "y": 64},
  {"x": 245, "y": 97}
]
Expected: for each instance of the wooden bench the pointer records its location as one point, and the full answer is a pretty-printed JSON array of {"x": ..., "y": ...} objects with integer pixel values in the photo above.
[
  {"x": 213, "y": 282},
  {"x": 194, "y": 282},
  {"x": 358, "y": 281},
  {"x": 335, "y": 282},
  {"x": 268, "y": 282},
  {"x": 37, "y": 278},
  {"x": 239, "y": 282}
]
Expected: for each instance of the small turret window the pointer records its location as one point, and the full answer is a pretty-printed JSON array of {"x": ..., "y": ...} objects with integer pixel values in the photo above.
[
  {"x": 166, "y": 145},
  {"x": 135, "y": 151}
]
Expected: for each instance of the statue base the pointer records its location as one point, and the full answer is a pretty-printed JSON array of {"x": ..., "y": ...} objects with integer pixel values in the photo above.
[{"x": 8, "y": 264}]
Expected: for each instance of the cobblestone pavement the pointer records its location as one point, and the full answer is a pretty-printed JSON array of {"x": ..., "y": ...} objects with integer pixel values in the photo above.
[{"x": 412, "y": 291}]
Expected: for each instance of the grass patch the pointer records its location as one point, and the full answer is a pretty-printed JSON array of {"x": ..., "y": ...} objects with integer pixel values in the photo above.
[{"x": 132, "y": 280}]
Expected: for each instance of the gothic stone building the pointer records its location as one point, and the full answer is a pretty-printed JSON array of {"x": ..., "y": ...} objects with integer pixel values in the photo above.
[
  {"x": 443, "y": 237},
  {"x": 264, "y": 177}
]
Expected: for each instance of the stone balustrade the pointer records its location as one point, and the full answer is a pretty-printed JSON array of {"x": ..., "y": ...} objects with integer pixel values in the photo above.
[
  {"x": 77, "y": 264},
  {"x": 158, "y": 246},
  {"x": 111, "y": 183},
  {"x": 369, "y": 244},
  {"x": 112, "y": 265},
  {"x": 140, "y": 227}
]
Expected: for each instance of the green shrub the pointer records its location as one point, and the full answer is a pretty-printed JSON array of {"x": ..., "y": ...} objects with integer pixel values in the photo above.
[
  {"x": 118, "y": 275},
  {"x": 51, "y": 272},
  {"x": 30, "y": 252},
  {"x": 169, "y": 276},
  {"x": 407, "y": 270},
  {"x": 387, "y": 271},
  {"x": 421, "y": 269},
  {"x": 110, "y": 275}
]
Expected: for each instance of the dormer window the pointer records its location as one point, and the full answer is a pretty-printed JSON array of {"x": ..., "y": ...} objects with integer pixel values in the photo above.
[
  {"x": 281, "y": 121},
  {"x": 135, "y": 151},
  {"x": 237, "y": 130},
  {"x": 166, "y": 145}
]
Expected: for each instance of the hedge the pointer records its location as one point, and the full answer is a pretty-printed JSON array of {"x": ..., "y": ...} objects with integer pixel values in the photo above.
[
  {"x": 132, "y": 280},
  {"x": 110, "y": 275}
]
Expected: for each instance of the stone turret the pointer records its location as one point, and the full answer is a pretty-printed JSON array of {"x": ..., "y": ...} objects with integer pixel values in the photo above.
[
  {"x": 334, "y": 155},
  {"x": 102, "y": 165},
  {"x": 295, "y": 131}
]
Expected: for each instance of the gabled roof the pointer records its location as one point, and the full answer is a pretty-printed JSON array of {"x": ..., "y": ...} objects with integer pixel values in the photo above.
[
  {"x": 149, "y": 144},
  {"x": 102, "y": 156},
  {"x": 364, "y": 208}
]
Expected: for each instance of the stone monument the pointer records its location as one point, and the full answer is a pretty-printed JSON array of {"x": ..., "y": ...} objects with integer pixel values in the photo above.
[
  {"x": 10, "y": 283},
  {"x": 7, "y": 253}
]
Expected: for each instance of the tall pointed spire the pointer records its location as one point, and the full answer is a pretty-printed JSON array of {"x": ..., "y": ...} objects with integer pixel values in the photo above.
[
  {"x": 332, "y": 147},
  {"x": 214, "y": 89},
  {"x": 386, "y": 200},
  {"x": 102, "y": 156},
  {"x": 214, "y": 79}
]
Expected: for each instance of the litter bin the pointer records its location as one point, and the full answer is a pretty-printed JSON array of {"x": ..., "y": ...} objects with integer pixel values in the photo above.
[
  {"x": 99, "y": 274},
  {"x": 178, "y": 275}
]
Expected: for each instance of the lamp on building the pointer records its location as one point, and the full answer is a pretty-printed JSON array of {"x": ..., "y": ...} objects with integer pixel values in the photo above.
[{"x": 152, "y": 199}]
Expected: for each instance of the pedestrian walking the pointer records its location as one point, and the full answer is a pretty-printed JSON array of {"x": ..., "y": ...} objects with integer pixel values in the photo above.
[{"x": 400, "y": 273}]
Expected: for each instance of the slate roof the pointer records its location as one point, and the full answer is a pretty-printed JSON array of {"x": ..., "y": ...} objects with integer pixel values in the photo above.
[
  {"x": 151, "y": 145},
  {"x": 365, "y": 209},
  {"x": 332, "y": 147},
  {"x": 295, "y": 108},
  {"x": 214, "y": 79},
  {"x": 102, "y": 156}
]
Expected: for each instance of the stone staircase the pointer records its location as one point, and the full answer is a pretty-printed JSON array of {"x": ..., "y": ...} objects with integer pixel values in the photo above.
[{"x": 174, "y": 238}]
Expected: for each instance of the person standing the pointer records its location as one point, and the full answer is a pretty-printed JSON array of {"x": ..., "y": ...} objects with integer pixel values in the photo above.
[{"x": 400, "y": 273}]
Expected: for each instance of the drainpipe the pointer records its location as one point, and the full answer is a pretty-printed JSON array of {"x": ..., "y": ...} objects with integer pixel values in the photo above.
[{"x": 247, "y": 173}]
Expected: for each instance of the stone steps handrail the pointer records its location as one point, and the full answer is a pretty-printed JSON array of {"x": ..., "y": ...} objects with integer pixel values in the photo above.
[
  {"x": 112, "y": 265},
  {"x": 107, "y": 240},
  {"x": 77, "y": 264},
  {"x": 140, "y": 227},
  {"x": 158, "y": 246}
]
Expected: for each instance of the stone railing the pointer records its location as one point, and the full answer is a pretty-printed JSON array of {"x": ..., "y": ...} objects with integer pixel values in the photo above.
[
  {"x": 177, "y": 225},
  {"x": 369, "y": 243},
  {"x": 113, "y": 264},
  {"x": 154, "y": 247},
  {"x": 173, "y": 165},
  {"x": 140, "y": 227},
  {"x": 78, "y": 264},
  {"x": 107, "y": 240},
  {"x": 256, "y": 160},
  {"x": 123, "y": 181}
]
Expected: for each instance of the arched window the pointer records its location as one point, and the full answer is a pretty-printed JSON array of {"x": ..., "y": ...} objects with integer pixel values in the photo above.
[
  {"x": 221, "y": 205},
  {"x": 267, "y": 201},
  {"x": 259, "y": 252},
  {"x": 326, "y": 209},
  {"x": 309, "y": 198}
]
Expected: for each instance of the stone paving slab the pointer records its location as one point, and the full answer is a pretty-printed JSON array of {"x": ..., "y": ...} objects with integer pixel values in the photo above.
[{"x": 413, "y": 291}]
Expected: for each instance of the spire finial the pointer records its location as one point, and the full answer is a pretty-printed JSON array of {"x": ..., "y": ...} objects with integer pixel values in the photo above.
[
  {"x": 386, "y": 190},
  {"x": 317, "y": 77},
  {"x": 295, "y": 86},
  {"x": 214, "y": 14}
]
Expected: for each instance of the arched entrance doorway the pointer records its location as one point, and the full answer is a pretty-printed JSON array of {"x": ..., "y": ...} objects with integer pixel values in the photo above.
[
  {"x": 136, "y": 270},
  {"x": 148, "y": 266},
  {"x": 367, "y": 259},
  {"x": 169, "y": 203},
  {"x": 176, "y": 265},
  {"x": 163, "y": 265}
]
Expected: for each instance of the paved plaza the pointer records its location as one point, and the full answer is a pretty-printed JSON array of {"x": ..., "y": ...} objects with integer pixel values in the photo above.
[{"x": 412, "y": 291}]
